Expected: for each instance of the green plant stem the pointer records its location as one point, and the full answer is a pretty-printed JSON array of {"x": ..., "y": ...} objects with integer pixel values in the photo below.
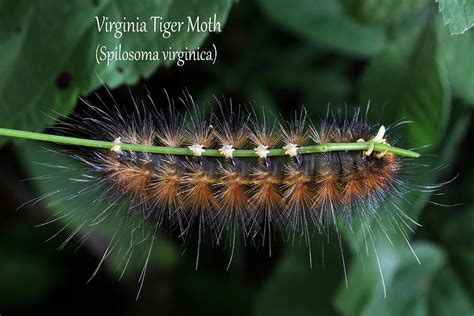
[{"x": 319, "y": 148}]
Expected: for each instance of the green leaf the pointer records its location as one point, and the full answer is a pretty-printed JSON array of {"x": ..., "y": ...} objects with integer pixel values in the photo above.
[
  {"x": 405, "y": 82},
  {"x": 47, "y": 52},
  {"x": 323, "y": 22},
  {"x": 27, "y": 266},
  {"x": 456, "y": 53},
  {"x": 447, "y": 297},
  {"x": 458, "y": 235},
  {"x": 412, "y": 289},
  {"x": 25, "y": 278},
  {"x": 295, "y": 288},
  {"x": 386, "y": 12},
  {"x": 78, "y": 206},
  {"x": 457, "y": 14}
]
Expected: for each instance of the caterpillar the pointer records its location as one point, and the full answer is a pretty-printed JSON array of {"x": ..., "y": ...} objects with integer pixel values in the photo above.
[{"x": 230, "y": 173}]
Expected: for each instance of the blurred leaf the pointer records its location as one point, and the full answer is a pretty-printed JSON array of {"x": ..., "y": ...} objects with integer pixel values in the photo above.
[
  {"x": 215, "y": 293},
  {"x": 47, "y": 51},
  {"x": 78, "y": 206},
  {"x": 26, "y": 271},
  {"x": 323, "y": 22},
  {"x": 456, "y": 53},
  {"x": 385, "y": 12},
  {"x": 25, "y": 278},
  {"x": 364, "y": 279},
  {"x": 262, "y": 103},
  {"x": 412, "y": 289},
  {"x": 458, "y": 235},
  {"x": 447, "y": 297},
  {"x": 405, "y": 77},
  {"x": 330, "y": 86},
  {"x": 453, "y": 139},
  {"x": 457, "y": 14},
  {"x": 296, "y": 288}
]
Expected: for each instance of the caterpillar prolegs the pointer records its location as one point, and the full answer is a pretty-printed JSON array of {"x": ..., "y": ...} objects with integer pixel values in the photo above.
[{"x": 234, "y": 173}]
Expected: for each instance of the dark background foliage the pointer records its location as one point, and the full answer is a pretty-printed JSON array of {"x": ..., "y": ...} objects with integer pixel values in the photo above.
[{"x": 276, "y": 54}]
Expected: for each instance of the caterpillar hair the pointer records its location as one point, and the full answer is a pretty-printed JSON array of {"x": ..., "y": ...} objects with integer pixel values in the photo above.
[{"x": 231, "y": 173}]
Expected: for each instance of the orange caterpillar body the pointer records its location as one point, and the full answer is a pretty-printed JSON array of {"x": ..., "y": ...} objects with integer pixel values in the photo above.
[
  {"x": 294, "y": 194},
  {"x": 260, "y": 196}
]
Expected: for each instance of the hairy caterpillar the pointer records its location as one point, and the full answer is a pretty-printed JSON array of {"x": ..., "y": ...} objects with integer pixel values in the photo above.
[{"x": 229, "y": 172}]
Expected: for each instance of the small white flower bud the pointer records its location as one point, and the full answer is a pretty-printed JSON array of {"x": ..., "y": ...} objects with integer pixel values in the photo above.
[
  {"x": 227, "y": 151},
  {"x": 262, "y": 151},
  {"x": 291, "y": 150},
  {"x": 197, "y": 149}
]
